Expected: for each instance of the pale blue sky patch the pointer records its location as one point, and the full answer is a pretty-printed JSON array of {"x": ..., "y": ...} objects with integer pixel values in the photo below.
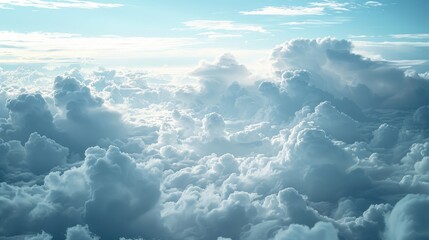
[{"x": 105, "y": 30}]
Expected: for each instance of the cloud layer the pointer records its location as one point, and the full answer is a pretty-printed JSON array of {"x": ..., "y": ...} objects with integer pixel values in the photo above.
[{"x": 333, "y": 146}]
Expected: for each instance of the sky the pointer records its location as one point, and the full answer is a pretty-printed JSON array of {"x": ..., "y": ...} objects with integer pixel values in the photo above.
[
  {"x": 214, "y": 120},
  {"x": 167, "y": 35}
]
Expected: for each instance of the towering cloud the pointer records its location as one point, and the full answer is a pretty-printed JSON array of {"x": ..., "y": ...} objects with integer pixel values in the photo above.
[
  {"x": 339, "y": 71},
  {"x": 86, "y": 120},
  {"x": 28, "y": 113}
]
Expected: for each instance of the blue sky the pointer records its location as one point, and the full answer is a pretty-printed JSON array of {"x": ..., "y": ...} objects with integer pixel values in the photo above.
[{"x": 161, "y": 33}]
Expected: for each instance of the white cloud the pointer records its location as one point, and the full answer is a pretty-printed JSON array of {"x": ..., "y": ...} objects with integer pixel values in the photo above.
[
  {"x": 79, "y": 232},
  {"x": 290, "y": 155},
  {"x": 327, "y": 58},
  {"x": 218, "y": 35},
  {"x": 373, "y": 4},
  {"x": 36, "y": 41},
  {"x": 312, "y": 22},
  {"x": 360, "y": 36},
  {"x": 320, "y": 231},
  {"x": 57, "y": 4},
  {"x": 286, "y": 11},
  {"x": 159, "y": 54},
  {"x": 331, "y": 5},
  {"x": 64, "y": 47},
  {"x": 404, "y": 54},
  {"x": 314, "y": 8},
  {"x": 223, "y": 25},
  {"x": 411, "y": 36}
]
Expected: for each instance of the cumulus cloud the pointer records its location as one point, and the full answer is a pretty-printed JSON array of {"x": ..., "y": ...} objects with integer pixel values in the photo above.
[
  {"x": 421, "y": 116},
  {"x": 42, "y": 154},
  {"x": 221, "y": 88},
  {"x": 28, "y": 113},
  {"x": 407, "y": 219},
  {"x": 80, "y": 232},
  {"x": 339, "y": 71},
  {"x": 332, "y": 146},
  {"x": 80, "y": 118},
  {"x": 214, "y": 125},
  {"x": 113, "y": 215},
  {"x": 319, "y": 231},
  {"x": 3, "y": 110},
  {"x": 86, "y": 120},
  {"x": 109, "y": 191}
]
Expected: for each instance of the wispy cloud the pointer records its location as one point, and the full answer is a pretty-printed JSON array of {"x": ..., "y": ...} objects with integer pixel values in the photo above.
[
  {"x": 312, "y": 22},
  {"x": 331, "y": 5},
  {"x": 7, "y": 4},
  {"x": 217, "y": 35},
  {"x": 373, "y": 4},
  {"x": 359, "y": 36},
  {"x": 387, "y": 44},
  {"x": 392, "y": 50},
  {"x": 412, "y": 36},
  {"x": 404, "y": 53},
  {"x": 314, "y": 8},
  {"x": 178, "y": 55},
  {"x": 286, "y": 11},
  {"x": 223, "y": 25},
  {"x": 36, "y": 40},
  {"x": 38, "y": 46}
]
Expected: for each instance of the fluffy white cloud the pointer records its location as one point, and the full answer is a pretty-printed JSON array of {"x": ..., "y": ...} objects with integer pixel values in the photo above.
[
  {"x": 339, "y": 71},
  {"x": 332, "y": 146}
]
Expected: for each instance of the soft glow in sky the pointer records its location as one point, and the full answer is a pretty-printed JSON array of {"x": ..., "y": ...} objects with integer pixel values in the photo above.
[{"x": 171, "y": 35}]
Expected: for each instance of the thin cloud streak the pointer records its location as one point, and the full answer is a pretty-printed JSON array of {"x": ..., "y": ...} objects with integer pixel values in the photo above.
[
  {"x": 286, "y": 11},
  {"x": 217, "y": 35},
  {"x": 331, "y": 5},
  {"x": 223, "y": 25},
  {"x": 312, "y": 22},
  {"x": 411, "y": 35},
  {"x": 373, "y": 4},
  {"x": 37, "y": 46},
  {"x": 8, "y": 4},
  {"x": 314, "y": 8}
]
